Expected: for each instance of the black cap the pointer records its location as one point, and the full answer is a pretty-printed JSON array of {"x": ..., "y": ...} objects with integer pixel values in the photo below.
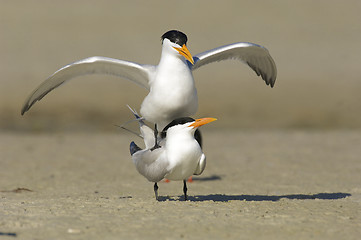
[
  {"x": 177, "y": 121},
  {"x": 182, "y": 120},
  {"x": 175, "y": 36}
]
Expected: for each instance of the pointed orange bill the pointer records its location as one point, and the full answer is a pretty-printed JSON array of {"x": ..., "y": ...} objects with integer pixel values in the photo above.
[
  {"x": 185, "y": 53},
  {"x": 201, "y": 121}
]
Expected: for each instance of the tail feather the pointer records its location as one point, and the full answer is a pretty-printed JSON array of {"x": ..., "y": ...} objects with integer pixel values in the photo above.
[
  {"x": 135, "y": 113},
  {"x": 137, "y": 119},
  {"x": 146, "y": 132},
  {"x": 133, "y": 148}
]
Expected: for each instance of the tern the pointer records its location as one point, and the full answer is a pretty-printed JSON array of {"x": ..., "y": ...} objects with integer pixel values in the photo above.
[
  {"x": 172, "y": 91},
  {"x": 178, "y": 157}
]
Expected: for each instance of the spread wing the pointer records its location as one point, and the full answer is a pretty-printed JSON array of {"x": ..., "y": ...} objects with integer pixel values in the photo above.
[
  {"x": 134, "y": 72},
  {"x": 256, "y": 56}
]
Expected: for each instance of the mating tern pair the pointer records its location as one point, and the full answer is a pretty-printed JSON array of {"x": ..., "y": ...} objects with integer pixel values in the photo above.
[
  {"x": 172, "y": 91},
  {"x": 178, "y": 156}
]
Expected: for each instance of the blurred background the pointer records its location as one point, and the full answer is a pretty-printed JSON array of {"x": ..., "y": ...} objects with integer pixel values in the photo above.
[{"x": 315, "y": 44}]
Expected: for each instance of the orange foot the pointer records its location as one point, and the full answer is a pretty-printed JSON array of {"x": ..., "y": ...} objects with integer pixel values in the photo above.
[{"x": 190, "y": 179}]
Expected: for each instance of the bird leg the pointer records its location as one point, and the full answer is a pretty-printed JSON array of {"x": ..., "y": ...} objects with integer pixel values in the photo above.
[
  {"x": 156, "y": 190},
  {"x": 185, "y": 190},
  {"x": 156, "y": 145}
]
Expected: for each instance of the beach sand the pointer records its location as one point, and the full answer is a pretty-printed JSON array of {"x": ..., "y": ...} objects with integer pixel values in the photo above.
[{"x": 257, "y": 185}]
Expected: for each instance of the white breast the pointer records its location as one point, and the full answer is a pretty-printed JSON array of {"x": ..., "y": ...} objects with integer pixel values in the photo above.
[
  {"x": 172, "y": 93},
  {"x": 183, "y": 153}
]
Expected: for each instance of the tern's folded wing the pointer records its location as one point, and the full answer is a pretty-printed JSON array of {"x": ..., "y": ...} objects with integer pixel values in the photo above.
[
  {"x": 201, "y": 165},
  {"x": 153, "y": 165},
  {"x": 94, "y": 65},
  {"x": 256, "y": 56}
]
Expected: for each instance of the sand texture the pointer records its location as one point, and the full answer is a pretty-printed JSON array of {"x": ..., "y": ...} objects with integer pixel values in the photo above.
[{"x": 257, "y": 185}]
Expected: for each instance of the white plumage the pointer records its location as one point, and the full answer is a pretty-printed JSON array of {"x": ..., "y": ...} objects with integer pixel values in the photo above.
[
  {"x": 171, "y": 86},
  {"x": 178, "y": 157}
]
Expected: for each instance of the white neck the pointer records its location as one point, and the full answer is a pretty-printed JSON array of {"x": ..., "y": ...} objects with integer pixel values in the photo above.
[
  {"x": 180, "y": 140},
  {"x": 170, "y": 56}
]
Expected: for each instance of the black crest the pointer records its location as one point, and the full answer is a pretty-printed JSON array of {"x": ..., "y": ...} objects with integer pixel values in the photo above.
[
  {"x": 182, "y": 120},
  {"x": 176, "y": 37},
  {"x": 177, "y": 121}
]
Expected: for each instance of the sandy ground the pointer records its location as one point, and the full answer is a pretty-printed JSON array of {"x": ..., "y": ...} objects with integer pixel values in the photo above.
[{"x": 257, "y": 185}]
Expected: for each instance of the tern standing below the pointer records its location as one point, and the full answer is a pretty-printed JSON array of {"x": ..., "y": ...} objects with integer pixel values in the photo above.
[
  {"x": 178, "y": 157},
  {"x": 172, "y": 92}
]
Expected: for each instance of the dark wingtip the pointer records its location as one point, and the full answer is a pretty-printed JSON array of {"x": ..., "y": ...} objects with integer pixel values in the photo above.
[
  {"x": 133, "y": 148},
  {"x": 272, "y": 83},
  {"x": 26, "y": 107},
  {"x": 24, "y": 110}
]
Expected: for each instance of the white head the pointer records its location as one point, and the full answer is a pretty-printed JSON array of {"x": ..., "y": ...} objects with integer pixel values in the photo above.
[{"x": 185, "y": 125}]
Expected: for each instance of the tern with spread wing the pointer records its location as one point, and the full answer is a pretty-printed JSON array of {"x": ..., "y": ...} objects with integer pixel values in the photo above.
[
  {"x": 178, "y": 156},
  {"x": 172, "y": 91}
]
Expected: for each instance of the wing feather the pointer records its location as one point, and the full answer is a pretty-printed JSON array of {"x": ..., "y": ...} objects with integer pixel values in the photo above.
[
  {"x": 134, "y": 72},
  {"x": 255, "y": 56}
]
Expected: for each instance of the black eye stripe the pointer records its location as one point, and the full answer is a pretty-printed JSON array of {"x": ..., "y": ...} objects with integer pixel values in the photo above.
[{"x": 175, "y": 36}]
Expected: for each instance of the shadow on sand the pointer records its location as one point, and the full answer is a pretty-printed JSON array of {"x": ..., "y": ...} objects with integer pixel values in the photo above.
[
  {"x": 210, "y": 178},
  {"x": 226, "y": 198}
]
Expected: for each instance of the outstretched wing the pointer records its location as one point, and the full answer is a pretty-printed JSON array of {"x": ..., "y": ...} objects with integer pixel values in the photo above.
[
  {"x": 256, "y": 56},
  {"x": 94, "y": 65}
]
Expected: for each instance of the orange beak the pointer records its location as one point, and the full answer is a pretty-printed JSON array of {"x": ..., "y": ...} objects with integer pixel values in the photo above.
[
  {"x": 201, "y": 121},
  {"x": 185, "y": 53}
]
